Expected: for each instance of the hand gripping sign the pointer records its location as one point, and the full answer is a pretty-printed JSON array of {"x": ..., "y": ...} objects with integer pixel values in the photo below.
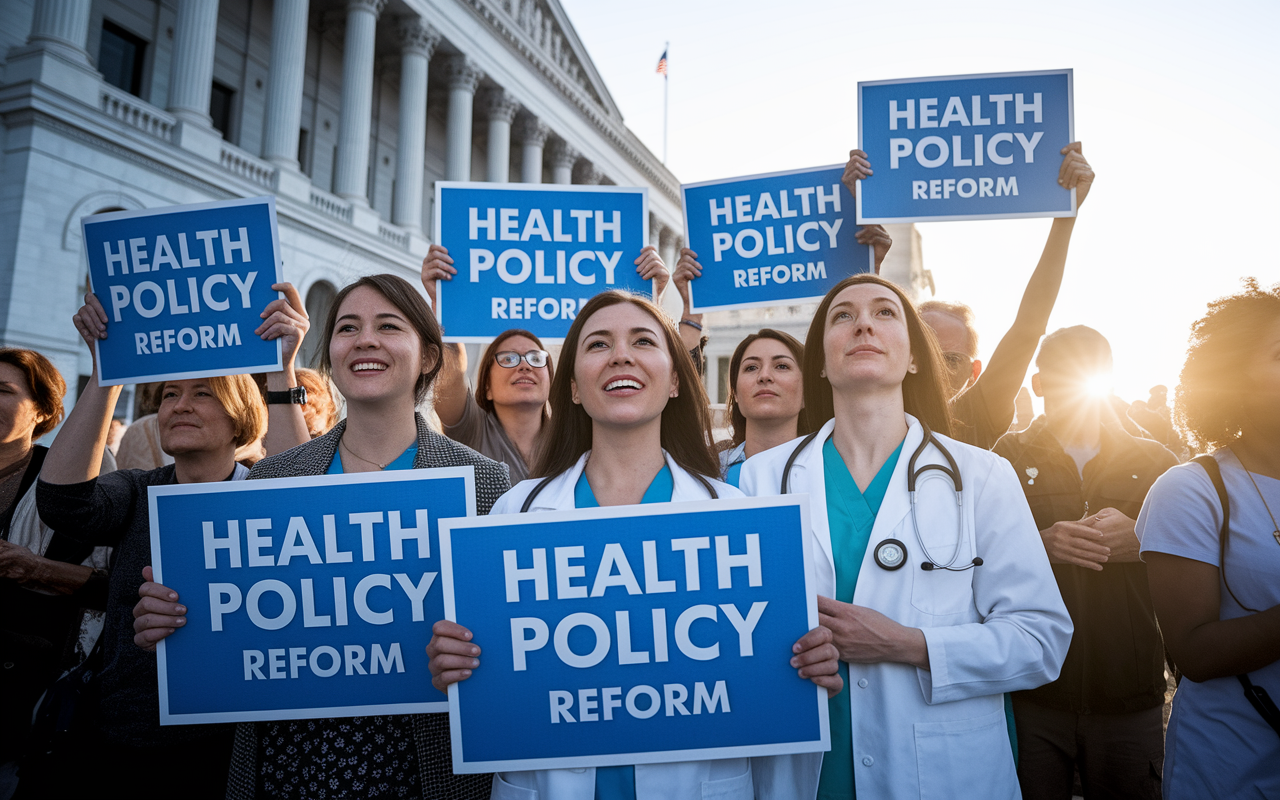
[
  {"x": 183, "y": 288},
  {"x": 530, "y": 255},
  {"x": 965, "y": 147},
  {"x": 762, "y": 240},
  {"x": 306, "y": 597},
  {"x": 633, "y": 635}
]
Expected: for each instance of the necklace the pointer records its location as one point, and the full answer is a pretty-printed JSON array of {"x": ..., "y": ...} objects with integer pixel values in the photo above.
[
  {"x": 1276, "y": 531},
  {"x": 343, "y": 442}
]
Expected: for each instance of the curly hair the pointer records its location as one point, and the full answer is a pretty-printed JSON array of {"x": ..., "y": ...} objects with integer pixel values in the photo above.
[{"x": 1208, "y": 406}]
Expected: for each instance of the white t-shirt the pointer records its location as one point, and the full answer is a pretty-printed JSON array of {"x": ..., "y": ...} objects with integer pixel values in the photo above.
[{"x": 1217, "y": 744}]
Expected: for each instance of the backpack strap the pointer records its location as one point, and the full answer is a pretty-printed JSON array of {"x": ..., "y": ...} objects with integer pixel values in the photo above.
[{"x": 1210, "y": 465}]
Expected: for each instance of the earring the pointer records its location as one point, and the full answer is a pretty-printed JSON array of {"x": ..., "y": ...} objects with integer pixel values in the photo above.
[
  {"x": 822, "y": 374},
  {"x": 912, "y": 369}
]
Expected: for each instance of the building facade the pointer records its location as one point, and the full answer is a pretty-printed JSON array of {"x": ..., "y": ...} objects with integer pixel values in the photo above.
[{"x": 348, "y": 111}]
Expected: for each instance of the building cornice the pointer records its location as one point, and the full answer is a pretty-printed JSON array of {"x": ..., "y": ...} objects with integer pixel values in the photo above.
[{"x": 603, "y": 116}]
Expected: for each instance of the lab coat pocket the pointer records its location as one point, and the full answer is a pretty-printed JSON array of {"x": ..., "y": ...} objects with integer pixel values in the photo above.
[
  {"x": 942, "y": 527},
  {"x": 507, "y": 791},
  {"x": 739, "y": 787},
  {"x": 966, "y": 758}
]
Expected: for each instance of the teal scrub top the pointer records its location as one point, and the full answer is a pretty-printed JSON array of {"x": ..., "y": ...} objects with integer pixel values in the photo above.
[
  {"x": 851, "y": 514},
  {"x": 619, "y": 783},
  {"x": 734, "y": 475},
  {"x": 403, "y": 461}
]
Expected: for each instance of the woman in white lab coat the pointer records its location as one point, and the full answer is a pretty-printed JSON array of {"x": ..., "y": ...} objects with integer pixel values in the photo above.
[
  {"x": 629, "y": 424},
  {"x": 936, "y": 611}
]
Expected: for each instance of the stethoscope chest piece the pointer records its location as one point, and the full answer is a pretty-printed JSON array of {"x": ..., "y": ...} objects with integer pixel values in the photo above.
[{"x": 891, "y": 554}]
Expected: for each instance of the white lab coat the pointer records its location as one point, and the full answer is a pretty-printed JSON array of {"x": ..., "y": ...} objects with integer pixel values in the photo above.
[
  {"x": 996, "y": 628},
  {"x": 723, "y": 779}
]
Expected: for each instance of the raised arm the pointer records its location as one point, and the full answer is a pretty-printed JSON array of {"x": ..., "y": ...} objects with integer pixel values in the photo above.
[
  {"x": 687, "y": 269},
  {"x": 76, "y": 453},
  {"x": 1009, "y": 362},
  {"x": 450, "y": 389},
  {"x": 285, "y": 319},
  {"x": 857, "y": 169}
]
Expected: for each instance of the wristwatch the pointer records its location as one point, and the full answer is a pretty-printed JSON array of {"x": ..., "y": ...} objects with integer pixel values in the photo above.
[{"x": 296, "y": 396}]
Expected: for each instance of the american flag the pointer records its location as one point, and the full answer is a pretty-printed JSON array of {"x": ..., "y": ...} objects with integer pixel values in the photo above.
[{"x": 662, "y": 63}]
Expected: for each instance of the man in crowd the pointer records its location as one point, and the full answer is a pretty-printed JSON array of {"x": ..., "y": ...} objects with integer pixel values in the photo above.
[
  {"x": 1085, "y": 479},
  {"x": 983, "y": 401}
]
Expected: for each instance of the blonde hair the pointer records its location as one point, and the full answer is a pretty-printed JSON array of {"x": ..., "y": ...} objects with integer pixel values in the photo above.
[
  {"x": 320, "y": 400},
  {"x": 242, "y": 401},
  {"x": 960, "y": 313}
]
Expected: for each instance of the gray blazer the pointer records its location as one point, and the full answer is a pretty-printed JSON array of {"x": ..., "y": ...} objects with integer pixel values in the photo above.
[{"x": 430, "y": 731}]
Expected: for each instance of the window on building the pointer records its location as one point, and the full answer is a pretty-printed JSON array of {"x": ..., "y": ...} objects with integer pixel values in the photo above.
[
  {"x": 220, "y": 99},
  {"x": 304, "y": 151},
  {"x": 120, "y": 56},
  {"x": 722, "y": 373}
]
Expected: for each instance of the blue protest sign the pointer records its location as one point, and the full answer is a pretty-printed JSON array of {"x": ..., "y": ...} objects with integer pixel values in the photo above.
[
  {"x": 632, "y": 635},
  {"x": 306, "y": 597},
  {"x": 784, "y": 237},
  {"x": 183, "y": 288},
  {"x": 530, "y": 255},
  {"x": 966, "y": 147}
]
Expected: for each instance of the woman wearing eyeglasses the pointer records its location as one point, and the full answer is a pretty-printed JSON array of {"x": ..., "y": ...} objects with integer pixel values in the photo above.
[{"x": 504, "y": 417}]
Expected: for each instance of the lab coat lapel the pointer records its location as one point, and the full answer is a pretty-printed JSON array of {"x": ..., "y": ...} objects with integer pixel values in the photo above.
[
  {"x": 684, "y": 487},
  {"x": 808, "y": 475},
  {"x": 558, "y": 495}
]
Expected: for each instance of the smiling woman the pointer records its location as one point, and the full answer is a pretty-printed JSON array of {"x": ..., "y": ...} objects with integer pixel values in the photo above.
[
  {"x": 381, "y": 347},
  {"x": 629, "y": 424},
  {"x": 201, "y": 423}
]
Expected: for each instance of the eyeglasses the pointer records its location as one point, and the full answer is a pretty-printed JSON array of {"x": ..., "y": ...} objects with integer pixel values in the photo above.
[
  {"x": 956, "y": 361},
  {"x": 511, "y": 359}
]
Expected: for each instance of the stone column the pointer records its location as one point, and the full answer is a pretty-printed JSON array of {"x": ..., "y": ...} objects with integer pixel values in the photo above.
[
  {"x": 586, "y": 174},
  {"x": 531, "y": 133},
  {"x": 351, "y": 180},
  {"x": 562, "y": 160},
  {"x": 62, "y": 25},
  {"x": 462, "y": 76},
  {"x": 417, "y": 42},
  {"x": 284, "y": 82},
  {"x": 500, "y": 107},
  {"x": 55, "y": 54},
  {"x": 195, "y": 31}
]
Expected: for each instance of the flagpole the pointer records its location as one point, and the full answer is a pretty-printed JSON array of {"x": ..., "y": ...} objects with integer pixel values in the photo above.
[{"x": 665, "y": 79}]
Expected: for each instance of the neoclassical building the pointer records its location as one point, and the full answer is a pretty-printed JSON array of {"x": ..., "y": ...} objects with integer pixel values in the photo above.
[{"x": 348, "y": 111}]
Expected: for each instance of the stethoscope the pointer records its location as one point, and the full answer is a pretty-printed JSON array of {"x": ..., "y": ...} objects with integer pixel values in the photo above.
[{"x": 891, "y": 554}]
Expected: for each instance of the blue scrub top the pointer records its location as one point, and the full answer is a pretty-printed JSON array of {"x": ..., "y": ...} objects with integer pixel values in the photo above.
[
  {"x": 851, "y": 514},
  {"x": 619, "y": 783},
  {"x": 734, "y": 475},
  {"x": 403, "y": 461}
]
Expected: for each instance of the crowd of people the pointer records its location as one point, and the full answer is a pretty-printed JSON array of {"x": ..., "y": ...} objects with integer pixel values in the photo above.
[{"x": 1003, "y": 608}]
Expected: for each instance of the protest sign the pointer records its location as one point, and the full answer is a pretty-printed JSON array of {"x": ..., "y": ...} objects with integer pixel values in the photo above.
[
  {"x": 632, "y": 634},
  {"x": 762, "y": 240},
  {"x": 183, "y": 288},
  {"x": 306, "y": 597},
  {"x": 966, "y": 147},
  {"x": 530, "y": 255}
]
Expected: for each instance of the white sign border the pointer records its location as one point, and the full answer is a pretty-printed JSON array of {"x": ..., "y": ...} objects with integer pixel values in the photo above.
[
  {"x": 1071, "y": 137},
  {"x": 643, "y": 191},
  {"x": 446, "y": 528},
  {"x": 694, "y": 308},
  {"x": 467, "y": 473},
  {"x": 112, "y": 216}
]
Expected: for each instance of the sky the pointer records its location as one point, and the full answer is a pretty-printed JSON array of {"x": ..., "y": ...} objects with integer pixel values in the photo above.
[{"x": 1177, "y": 105}]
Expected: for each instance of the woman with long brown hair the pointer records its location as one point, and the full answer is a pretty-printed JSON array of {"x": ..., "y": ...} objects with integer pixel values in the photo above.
[
  {"x": 766, "y": 397},
  {"x": 930, "y": 571},
  {"x": 629, "y": 424}
]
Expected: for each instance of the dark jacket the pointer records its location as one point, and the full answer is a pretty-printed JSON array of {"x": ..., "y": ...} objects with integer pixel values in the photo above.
[
  {"x": 1116, "y": 660},
  {"x": 430, "y": 731}
]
